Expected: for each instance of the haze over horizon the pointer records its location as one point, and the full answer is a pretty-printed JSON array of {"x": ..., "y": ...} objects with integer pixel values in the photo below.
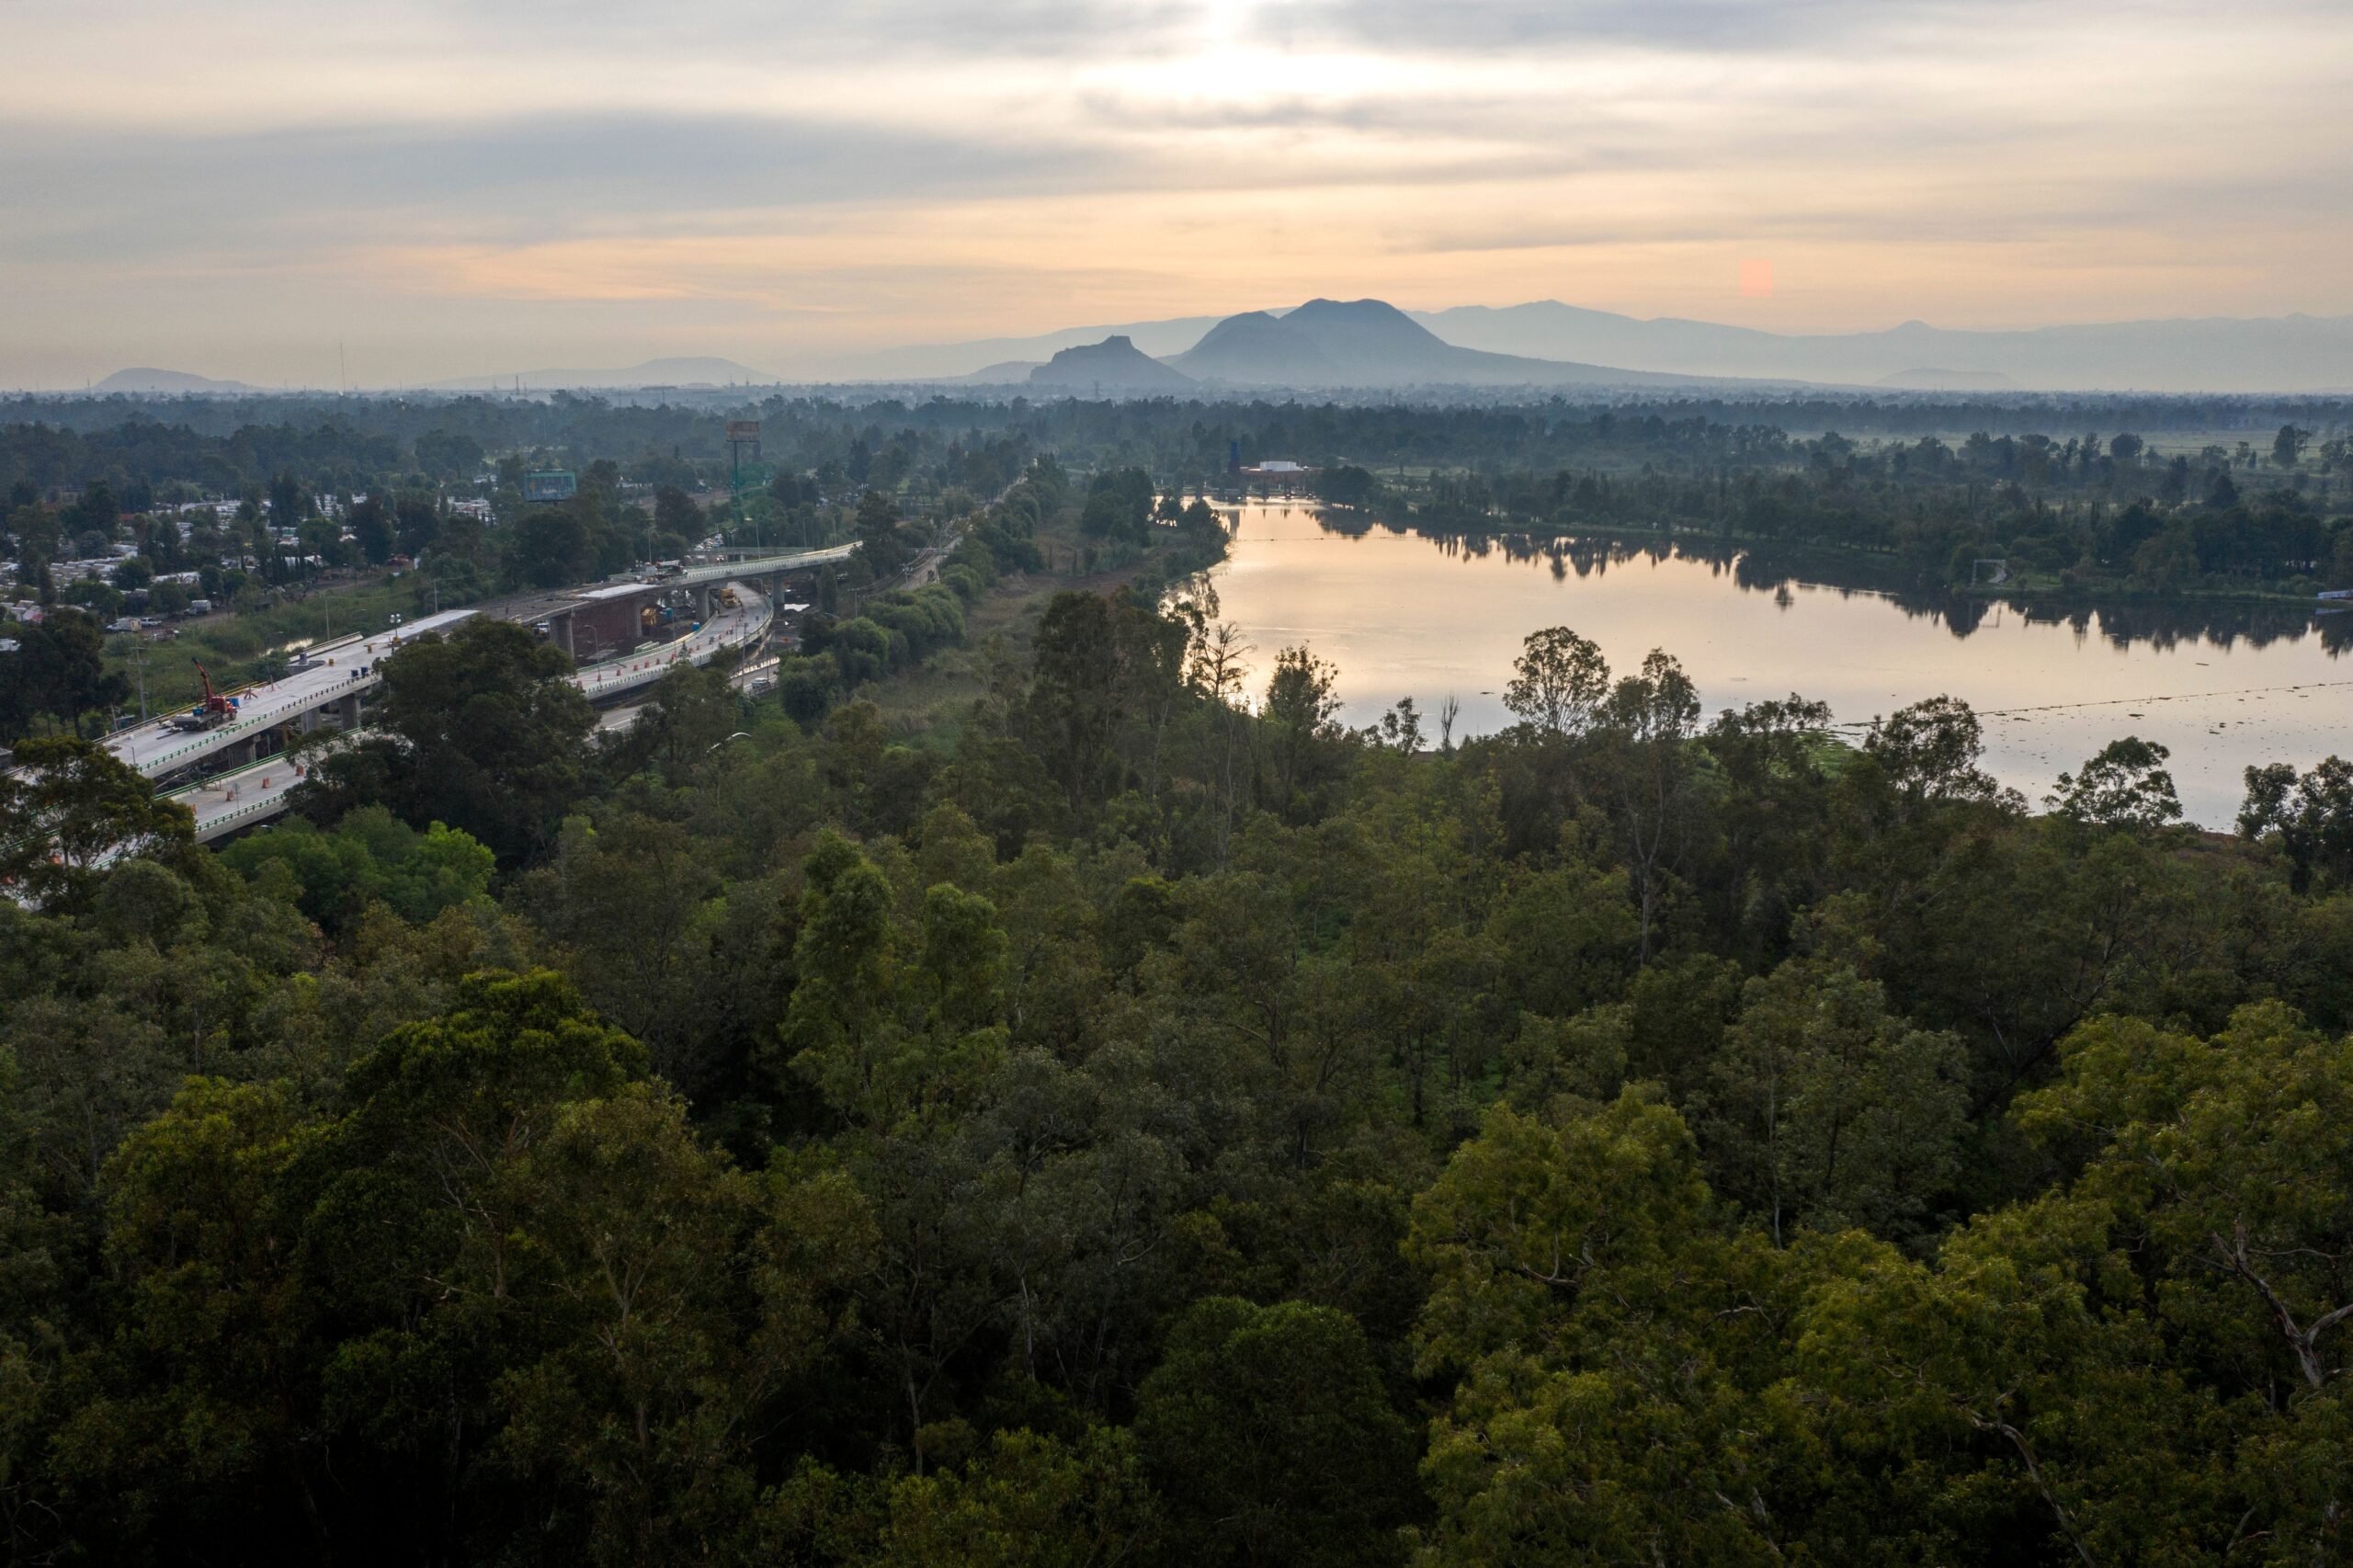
[{"x": 447, "y": 192}]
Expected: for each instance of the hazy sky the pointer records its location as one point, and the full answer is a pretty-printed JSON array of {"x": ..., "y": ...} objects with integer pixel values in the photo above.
[{"x": 452, "y": 189}]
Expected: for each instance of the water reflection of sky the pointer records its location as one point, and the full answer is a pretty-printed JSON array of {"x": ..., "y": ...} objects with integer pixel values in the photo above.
[{"x": 1401, "y": 615}]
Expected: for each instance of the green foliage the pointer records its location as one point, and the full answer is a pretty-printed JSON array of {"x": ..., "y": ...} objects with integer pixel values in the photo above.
[
  {"x": 1031, "y": 1501},
  {"x": 1140, "y": 1121},
  {"x": 67, "y": 811},
  {"x": 551, "y": 548},
  {"x": 2308, "y": 817},
  {"x": 2125, "y": 784},
  {"x": 1824, "y": 1111},
  {"x": 370, "y": 856},
  {"x": 485, "y": 739},
  {"x": 1560, "y": 682},
  {"x": 1272, "y": 1439},
  {"x": 56, "y": 673}
]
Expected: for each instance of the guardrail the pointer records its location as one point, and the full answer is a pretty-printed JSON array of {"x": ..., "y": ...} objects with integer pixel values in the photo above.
[
  {"x": 278, "y": 762},
  {"x": 630, "y": 674},
  {"x": 211, "y": 827},
  {"x": 201, "y": 741}
]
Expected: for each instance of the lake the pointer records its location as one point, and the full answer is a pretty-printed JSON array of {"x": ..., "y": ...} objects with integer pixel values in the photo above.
[{"x": 1405, "y": 615}]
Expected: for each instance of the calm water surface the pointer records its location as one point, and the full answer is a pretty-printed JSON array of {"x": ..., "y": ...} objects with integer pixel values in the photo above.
[{"x": 1407, "y": 616}]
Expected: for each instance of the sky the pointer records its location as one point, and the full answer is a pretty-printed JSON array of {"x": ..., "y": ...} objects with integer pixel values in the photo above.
[{"x": 391, "y": 192}]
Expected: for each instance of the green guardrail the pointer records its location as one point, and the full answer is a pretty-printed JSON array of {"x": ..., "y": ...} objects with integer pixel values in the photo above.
[
  {"x": 620, "y": 680},
  {"x": 212, "y": 740}
]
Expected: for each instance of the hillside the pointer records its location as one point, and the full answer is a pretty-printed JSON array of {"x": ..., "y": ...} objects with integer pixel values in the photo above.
[
  {"x": 1369, "y": 343},
  {"x": 2294, "y": 353},
  {"x": 1114, "y": 364},
  {"x": 144, "y": 382}
]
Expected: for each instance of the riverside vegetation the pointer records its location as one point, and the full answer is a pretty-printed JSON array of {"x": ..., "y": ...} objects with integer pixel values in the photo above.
[
  {"x": 2209, "y": 496},
  {"x": 1149, "y": 1122}
]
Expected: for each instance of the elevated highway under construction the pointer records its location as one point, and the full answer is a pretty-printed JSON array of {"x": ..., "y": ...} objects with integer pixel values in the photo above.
[
  {"x": 252, "y": 793},
  {"x": 227, "y": 759}
]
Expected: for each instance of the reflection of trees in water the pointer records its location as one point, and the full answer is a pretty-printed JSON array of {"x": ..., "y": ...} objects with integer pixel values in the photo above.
[{"x": 1776, "y": 570}]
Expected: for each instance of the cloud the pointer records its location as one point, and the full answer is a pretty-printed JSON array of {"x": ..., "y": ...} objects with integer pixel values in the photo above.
[
  {"x": 1815, "y": 28},
  {"x": 428, "y": 169},
  {"x": 962, "y": 30},
  {"x": 1480, "y": 26},
  {"x": 512, "y": 178}
]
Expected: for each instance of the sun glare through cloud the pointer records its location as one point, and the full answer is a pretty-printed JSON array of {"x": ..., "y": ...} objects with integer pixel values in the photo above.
[{"x": 391, "y": 165}]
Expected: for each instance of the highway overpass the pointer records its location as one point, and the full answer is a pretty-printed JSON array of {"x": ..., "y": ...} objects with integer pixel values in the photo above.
[
  {"x": 328, "y": 684},
  {"x": 236, "y": 800},
  {"x": 742, "y": 626},
  {"x": 586, "y": 622}
]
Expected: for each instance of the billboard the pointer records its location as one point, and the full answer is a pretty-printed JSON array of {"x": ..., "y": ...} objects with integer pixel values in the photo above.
[
  {"x": 743, "y": 429},
  {"x": 554, "y": 484}
]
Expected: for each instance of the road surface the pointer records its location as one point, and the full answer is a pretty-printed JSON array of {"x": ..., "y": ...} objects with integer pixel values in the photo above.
[
  {"x": 737, "y": 628},
  {"x": 159, "y": 747}
]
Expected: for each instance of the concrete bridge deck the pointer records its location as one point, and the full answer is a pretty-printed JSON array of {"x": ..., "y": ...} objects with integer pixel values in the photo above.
[
  {"x": 739, "y": 627},
  {"x": 229, "y": 801},
  {"x": 342, "y": 671}
]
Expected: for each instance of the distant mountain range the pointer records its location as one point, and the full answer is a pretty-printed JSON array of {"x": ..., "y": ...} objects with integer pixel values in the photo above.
[
  {"x": 1322, "y": 344},
  {"x": 1116, "y": 362},
  {"x": 697, "y": 372},
  {"x": 2296, "y": 353},
  {"x": 1367, "y": 343},
  {"x": 1551, "y": 343},
  {"x": 142, "y": 381},
  {"x": 1005, "y": 360}
]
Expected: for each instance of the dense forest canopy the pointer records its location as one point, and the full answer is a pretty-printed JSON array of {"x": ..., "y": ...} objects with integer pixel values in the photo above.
[{"x": 1123, "y": 1115}]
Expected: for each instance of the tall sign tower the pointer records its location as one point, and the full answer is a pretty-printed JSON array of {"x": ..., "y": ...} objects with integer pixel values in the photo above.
[{"x": 742, "y": 433}]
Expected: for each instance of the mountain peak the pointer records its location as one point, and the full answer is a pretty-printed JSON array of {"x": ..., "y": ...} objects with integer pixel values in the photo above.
[
  {"x": 1115, "y": 362},
  {"x": 1365, "y": 343},
  {"x": 145, "y": 380}
]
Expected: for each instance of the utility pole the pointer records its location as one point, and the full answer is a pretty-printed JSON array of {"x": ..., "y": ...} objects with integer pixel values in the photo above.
[{"x": 139, "y": 663}]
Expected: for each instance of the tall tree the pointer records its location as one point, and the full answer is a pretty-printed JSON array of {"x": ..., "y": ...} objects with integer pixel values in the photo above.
[
  {"x": 485, "y": 737},
  {"x": 1271, "y": 1435},
  {"x": 1558, "y": 682},
  {"x": 68, "y": 811}
]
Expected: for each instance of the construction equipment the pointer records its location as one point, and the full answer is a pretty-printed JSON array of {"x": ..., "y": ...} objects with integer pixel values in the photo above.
[{"x": 210, "y": 714}]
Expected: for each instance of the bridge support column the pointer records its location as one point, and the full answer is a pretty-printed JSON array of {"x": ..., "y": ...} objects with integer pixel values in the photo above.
[
  {"x": 564, "y": 631},
  {"x": 702, "y": 602},
  {"x": 347, "y": 710}
]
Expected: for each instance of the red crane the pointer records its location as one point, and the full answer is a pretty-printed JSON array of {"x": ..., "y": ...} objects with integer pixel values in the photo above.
[{"x": 213, "y": 711}]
